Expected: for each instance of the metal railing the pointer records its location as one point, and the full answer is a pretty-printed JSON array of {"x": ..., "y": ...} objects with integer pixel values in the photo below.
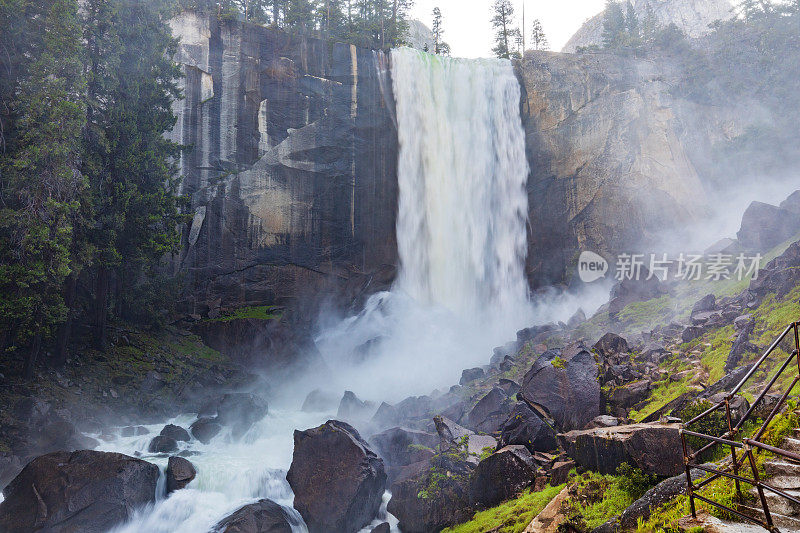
[{"x": 748, "y": 446}]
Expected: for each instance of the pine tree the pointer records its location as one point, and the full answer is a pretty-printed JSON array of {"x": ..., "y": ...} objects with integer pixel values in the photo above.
[
  {"x": 39, "y": 183},
  {"x": 503, "y": 24},
  {"x": 538, "y": 37},
  {"x": 614, "y": 25},
  {"x": 633, "y": 35},
  {"x": 439, "y": 46},
  {"x": 129, "y": 162}
]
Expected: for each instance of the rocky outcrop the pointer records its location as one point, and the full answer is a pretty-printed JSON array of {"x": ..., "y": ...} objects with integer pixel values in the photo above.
[
  {"x": 338, "y": 481},
  {"x": 525, "y": 427},
  {"x": 264, "y": 516},
  {"x": 502, "y": 475},
  {"x": 765, "y": 226},
  {"x": 400, "y": 447},
  {"x": 490, "y": 412},
  {"x": 565, "y": 384},
  {"x": 292, "y": 174},
  {"x": 180, "y": 472},
  {"x": 615, "y": 155},
  {"x": 83, "y": 491},
  {"x": 434, "y": 496},
  {"x": 693, "y": 17},
  {"x": 653, "y": 448}
]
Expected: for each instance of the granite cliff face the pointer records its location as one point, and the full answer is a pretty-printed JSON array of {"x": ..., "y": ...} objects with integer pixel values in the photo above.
[
  {"x": 691, "y": 16},
  {"x": 292, "y": 167},
  {"x": 617, "y": 161}
]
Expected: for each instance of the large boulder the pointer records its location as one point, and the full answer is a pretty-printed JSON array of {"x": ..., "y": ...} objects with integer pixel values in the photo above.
[
  {"x": 180, "y": 472},
  {"x": 620, "y": 399},
  {"x": 502, "y": 475},
  {"x": 524, "y": 427},
  {"x": 639, "y": 289},
  {"x": 765, "y": 226},
  {"x": 204, "y": 429},
  {"x": 653, "y": 448},
  {"x": 264, "y": 516},
  {"x": 175, "y": 432},
  {"x": 162, "y": 444},
  {"x": 77, "y": 492},
  {"x": 611, "y": 344},
  {"x": 455, "y": 437},
  {"x": 338, "y": 481},
  {"x": 319, "y": 401},
  {"x": 399, "y": 447},
  {"x": 240, "y": 411},
  {"x": 10, "y": 466},
  {"x": 352, "y": 408},
  {"x": 565, "y": 384},
  {"x": 490, "y": 412},
  {"x": 36, "y": 427},
  {"x": 781, "y": 275},
  {"x": 433, "y": 496}
]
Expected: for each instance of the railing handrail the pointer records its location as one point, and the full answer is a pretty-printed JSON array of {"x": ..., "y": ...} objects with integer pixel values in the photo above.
[{"x": 747, "y": 444}]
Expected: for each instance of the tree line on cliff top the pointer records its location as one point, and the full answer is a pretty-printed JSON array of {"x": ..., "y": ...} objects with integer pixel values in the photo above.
[{"x": 368, "y": 23}]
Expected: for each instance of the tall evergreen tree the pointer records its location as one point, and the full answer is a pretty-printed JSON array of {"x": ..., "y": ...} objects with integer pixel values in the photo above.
[
  {"x": 439, "y": 46},
  {"x": 614, "y": 26},
  {"x": 40, "y": 185},
  {"x": 538, "y": 37},
  {"x": 503, "y": 24},
  {"x": 129, "y": 162}
]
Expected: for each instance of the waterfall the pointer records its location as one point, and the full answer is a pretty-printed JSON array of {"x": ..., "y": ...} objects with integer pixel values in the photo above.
[
  {"x": 461, "y": 233},
  {"x": 462, "y": 173},
  {"x": 460, "y": 292}
]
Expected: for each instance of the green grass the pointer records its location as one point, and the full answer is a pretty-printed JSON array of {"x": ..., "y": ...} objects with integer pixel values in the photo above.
[
  {"x": 512, "y": 516},
  {"x": 263, "y": 312},
  {"x": 612, "y": 501},
  {"x": 663, "y": 393},
  {"x": 646, "y": 315},
  {"x": 715, "y": 356}
]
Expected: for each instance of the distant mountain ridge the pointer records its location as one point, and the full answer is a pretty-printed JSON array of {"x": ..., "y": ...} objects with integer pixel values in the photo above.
[{"x": 692, "y": 16}]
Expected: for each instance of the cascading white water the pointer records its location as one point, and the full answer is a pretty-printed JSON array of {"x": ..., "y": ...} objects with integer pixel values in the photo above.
[
  {"x": 461, "y": 232},
  {"x": 462, "y": 173},
  {"x": 461, "y": 289}
]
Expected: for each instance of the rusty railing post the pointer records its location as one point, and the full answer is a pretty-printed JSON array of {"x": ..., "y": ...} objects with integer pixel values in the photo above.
[
  {"x": 689, "y": 485},
  {"x": 733, "y": 449},
  {"x": 749, "y": 451}
]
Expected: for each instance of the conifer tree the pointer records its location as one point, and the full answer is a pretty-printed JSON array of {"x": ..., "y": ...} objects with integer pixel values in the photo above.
[
  {"x": 538, "y": 37},
  {"x": 503, "y": 24}
]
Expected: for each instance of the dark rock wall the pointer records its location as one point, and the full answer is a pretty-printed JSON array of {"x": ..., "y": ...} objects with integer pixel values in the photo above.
[{"x": 292, "y": 166}]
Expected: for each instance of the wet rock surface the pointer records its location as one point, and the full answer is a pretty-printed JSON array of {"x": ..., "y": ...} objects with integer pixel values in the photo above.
[
  {"x": 565, "y": 383},
  {"x": 338, "y": 481},
  {"x": 264, "y": 516},
  {"x": 180, "y": 472},
  {"x": 653, "y": 448},
  {"x": 72, "y": 492},
  {"x": 502, "y": 475}
]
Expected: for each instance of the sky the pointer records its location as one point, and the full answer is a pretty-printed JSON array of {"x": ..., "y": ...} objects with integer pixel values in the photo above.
[{"x": 469, "y": 33}]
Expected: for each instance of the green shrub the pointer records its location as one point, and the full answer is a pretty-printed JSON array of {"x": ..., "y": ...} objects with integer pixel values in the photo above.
[{"x": 633, "y": 481}]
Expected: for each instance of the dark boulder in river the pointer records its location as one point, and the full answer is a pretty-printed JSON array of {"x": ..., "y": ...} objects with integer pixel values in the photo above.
[
  {"x": 338, "y": 481},
  {"x": 180, "y": 472},
  {"x": 264, "y": 516},
  {"x": 77, "y": 492},
  {"x": 205, "y": 429}
]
